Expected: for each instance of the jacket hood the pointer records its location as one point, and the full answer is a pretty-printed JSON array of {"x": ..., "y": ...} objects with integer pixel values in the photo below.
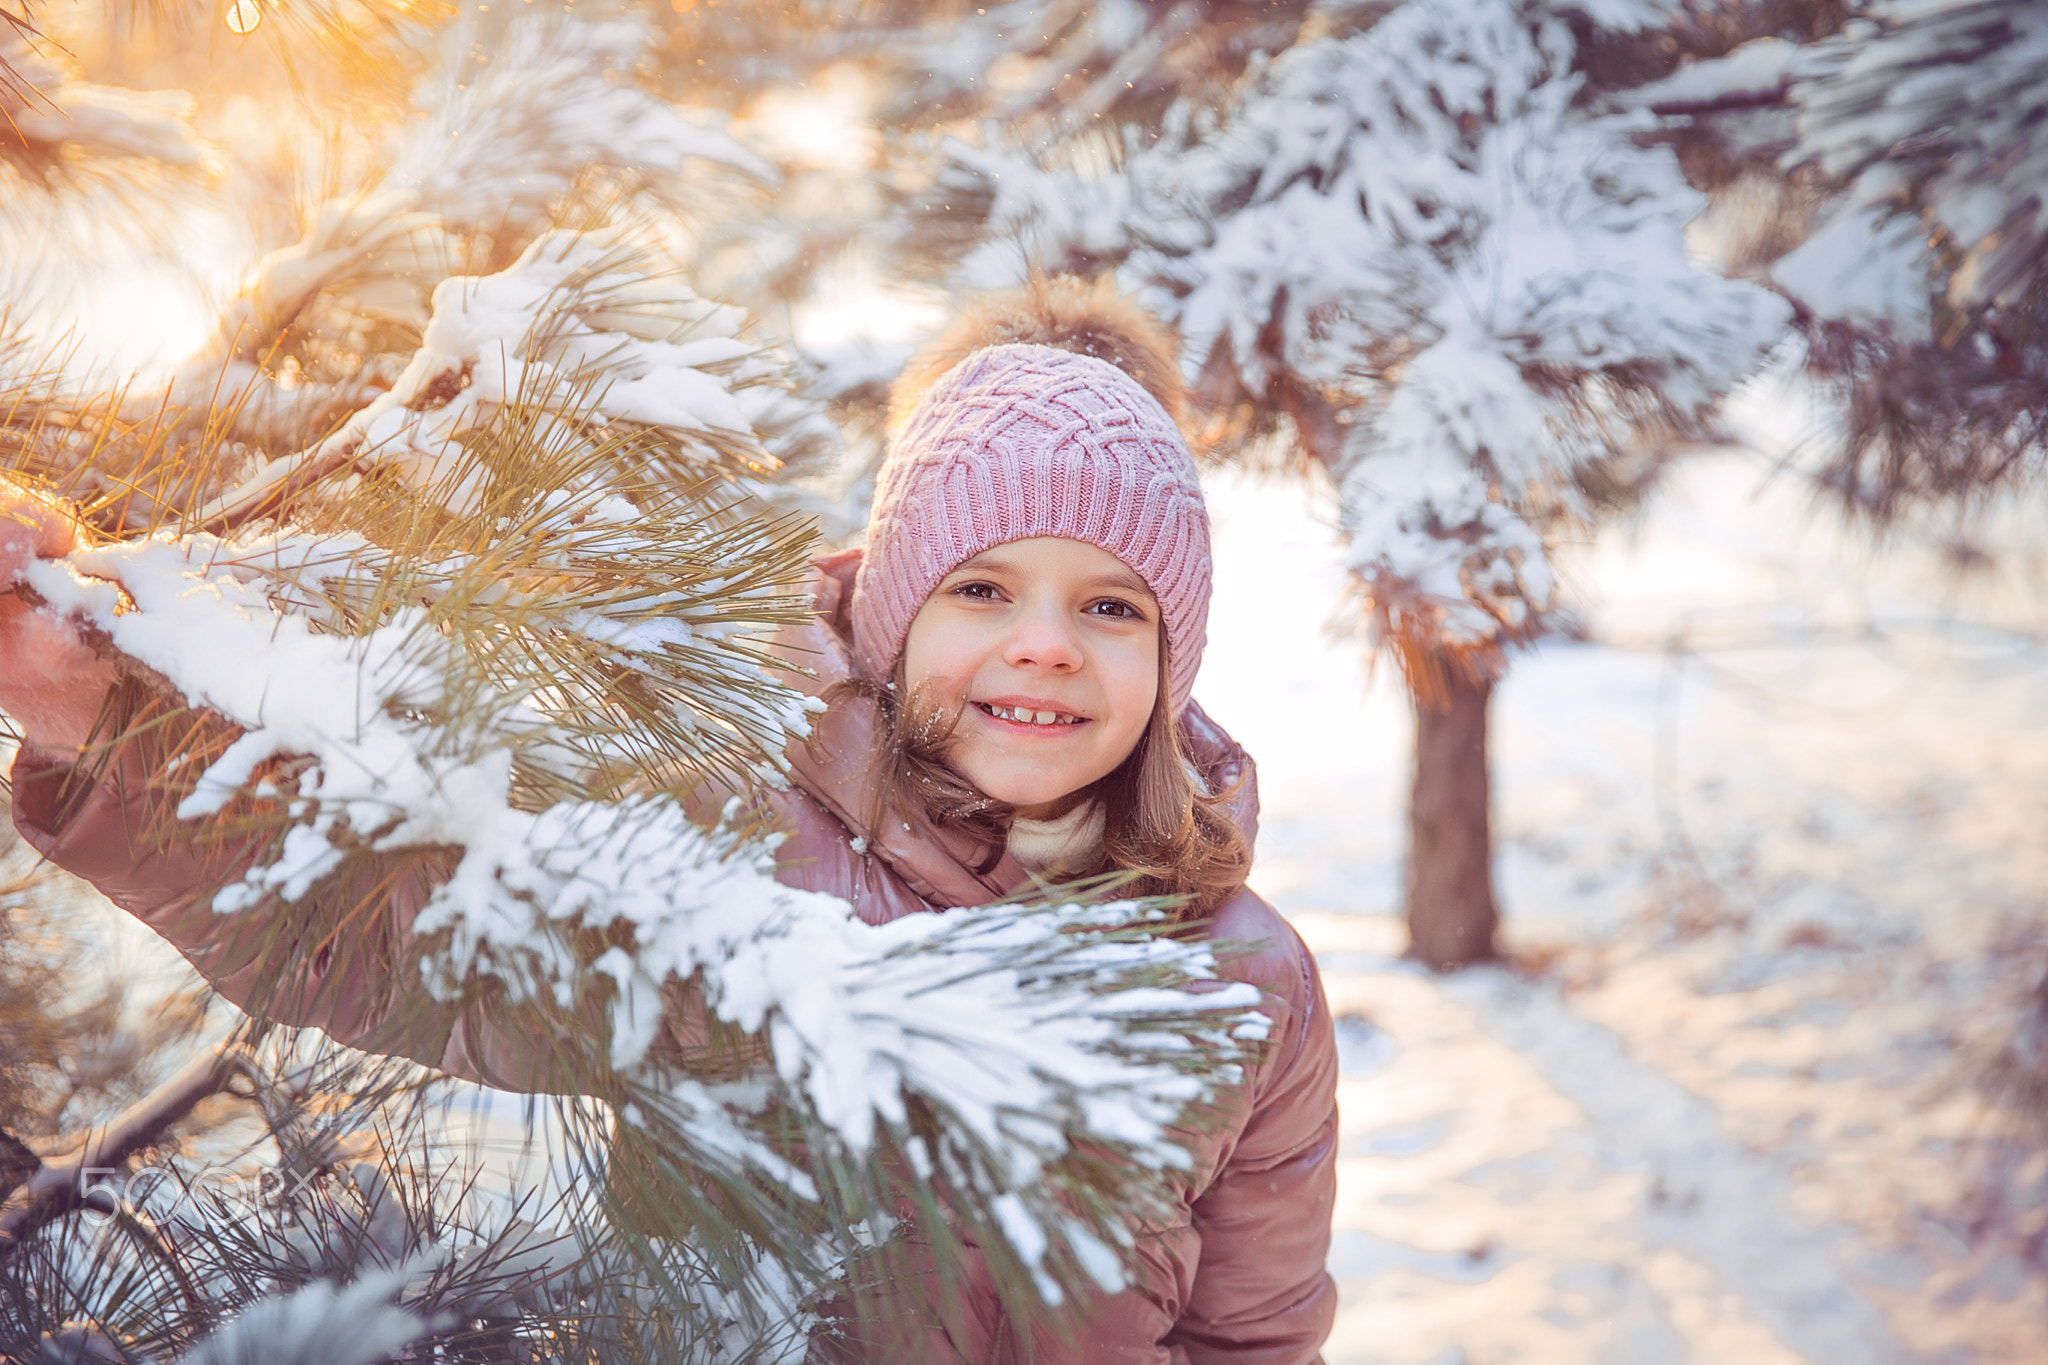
[{"x": 836, "y": 767}]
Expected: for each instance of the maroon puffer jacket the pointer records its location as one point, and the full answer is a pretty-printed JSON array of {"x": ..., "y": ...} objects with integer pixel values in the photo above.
[{"x": 1238, "y": 1277}]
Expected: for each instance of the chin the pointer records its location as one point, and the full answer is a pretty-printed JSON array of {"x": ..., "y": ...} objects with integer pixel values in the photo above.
[
  {"x": 1027, "y": 796},
  {"x": 1024, "y": 791}
]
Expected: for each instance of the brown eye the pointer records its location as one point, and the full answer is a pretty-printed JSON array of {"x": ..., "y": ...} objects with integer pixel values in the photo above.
[
  {"x": 1115, "y": 609},
  {"x": 977, "y": 591}
]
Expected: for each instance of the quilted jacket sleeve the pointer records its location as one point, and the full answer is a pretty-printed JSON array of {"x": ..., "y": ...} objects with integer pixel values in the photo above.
[
  {"x": 348, "y": 958},
  {"x": 348, "y": 973}
]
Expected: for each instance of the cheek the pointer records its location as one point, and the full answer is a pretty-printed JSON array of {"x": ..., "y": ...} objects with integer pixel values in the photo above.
[
  {"x": 1131, "y": 681},
  {"x": 937, "y": 658}
]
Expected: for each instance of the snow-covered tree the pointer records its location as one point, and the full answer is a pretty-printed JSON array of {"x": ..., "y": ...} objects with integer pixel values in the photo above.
[{"x": 1466, "y": 290}]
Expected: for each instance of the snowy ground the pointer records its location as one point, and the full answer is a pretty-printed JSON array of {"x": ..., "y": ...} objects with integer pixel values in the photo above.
[{"x": 1772, "y": 875}]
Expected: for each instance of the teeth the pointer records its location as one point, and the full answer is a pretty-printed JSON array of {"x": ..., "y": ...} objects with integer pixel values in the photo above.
[{"x": 1029, "y": 717}]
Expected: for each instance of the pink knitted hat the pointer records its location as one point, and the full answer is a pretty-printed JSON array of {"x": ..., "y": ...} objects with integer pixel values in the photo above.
[{"x": 1023, "y": 441}]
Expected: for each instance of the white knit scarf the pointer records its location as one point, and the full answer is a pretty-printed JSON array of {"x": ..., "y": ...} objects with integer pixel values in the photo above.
[{"x": 1065, "y": 843}]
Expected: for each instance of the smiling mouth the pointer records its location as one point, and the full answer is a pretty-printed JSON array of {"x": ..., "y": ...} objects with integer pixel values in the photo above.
[{"x": 1024, "y": 715}]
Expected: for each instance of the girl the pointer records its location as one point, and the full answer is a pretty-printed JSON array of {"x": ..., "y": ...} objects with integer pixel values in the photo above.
[{"x": 1007, "y": 668}]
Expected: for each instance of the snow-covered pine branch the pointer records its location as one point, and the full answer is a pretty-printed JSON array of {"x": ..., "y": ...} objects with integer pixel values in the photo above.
[
  {"x": 49, "y": 118},
  {"x": 522, "y": 120},
  {"x": 1932, "y": 116},
  {"x": 590, "y": 339},
  {"x": 992, "y": 214},
  {"x": 1065, "y": 64},
  {"x": 1901, "y": 158},
  {"x": 1943, "y": 108},
  {"x": 591, "y": 335},
  {"x": 514, "y": 112},
  {"x": 509, "y": 607},
  {"x": 1020, "y": 1036},
  {"x": 185, "y": 1258}
]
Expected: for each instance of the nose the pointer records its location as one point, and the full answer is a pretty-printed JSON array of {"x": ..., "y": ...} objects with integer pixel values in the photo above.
[{"x": 1043, "y": 638}]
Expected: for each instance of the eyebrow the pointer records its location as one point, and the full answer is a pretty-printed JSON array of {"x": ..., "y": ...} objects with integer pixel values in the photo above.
[
  {"x": 991, "y": 561},
  {"x": 1126, "y": 580}
]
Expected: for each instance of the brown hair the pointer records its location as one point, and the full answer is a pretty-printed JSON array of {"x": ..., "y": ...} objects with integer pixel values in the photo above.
[{"x": 1165, "y": 832}]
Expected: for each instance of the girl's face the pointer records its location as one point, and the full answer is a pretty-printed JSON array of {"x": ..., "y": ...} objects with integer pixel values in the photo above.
[{"x": 1049, "y": 650}]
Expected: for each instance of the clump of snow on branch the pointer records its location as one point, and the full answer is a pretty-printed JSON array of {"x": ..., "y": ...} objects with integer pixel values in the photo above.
[
  {"x": 319, "y": 1324},
  {"x": 1756, "y": 70},
  {"x": 1869, "y": 266},
  {"x": 49, "y": 113},
  {"x": 1951, "y": 97}
]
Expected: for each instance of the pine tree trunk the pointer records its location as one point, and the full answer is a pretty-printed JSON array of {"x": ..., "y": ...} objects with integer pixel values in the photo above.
[{"x": 1451, "y": 912}]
